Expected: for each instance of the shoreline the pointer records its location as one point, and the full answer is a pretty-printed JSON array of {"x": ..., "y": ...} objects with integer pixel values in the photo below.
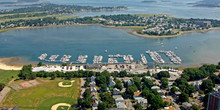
[
  {"x": 177, "y": 35},
  {"x": 8, "y": 63}
]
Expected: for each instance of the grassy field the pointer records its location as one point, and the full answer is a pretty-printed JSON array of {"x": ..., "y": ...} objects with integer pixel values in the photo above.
[
  {"x": 43, "y": 96},
  {"x": 6, "y": 75}
]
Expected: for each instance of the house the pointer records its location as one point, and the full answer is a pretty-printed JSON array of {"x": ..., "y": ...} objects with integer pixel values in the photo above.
[
  {"x": 168, "y": 108},
  {"x": 92, "y": 84},
  {"x": 197, "y": 84},
  {"x": 148, "y": 77},
  {"x": 137, "y": 94},
  {"x": 111, "y": 79},
  {"x": 116, "y": 91},
  {"x": 141, "y": 101},
  {"x": 155, "y": 88},
  {"x": 95, "y": 98},
  {"x": 217, "y": 87},
  {"x": 92, "y": 78},
  {"x": 128, "y": 81},
  {"x": 93, "y": 94},
  {"x": 121, "y": 106},
  {"x": 93, "y": 89},
  {"x": 112, "y": 83},
  {"x": 95, "y": 103},
  {"x": 176, "y": 95},
  {"x": 186, "y": 105}
]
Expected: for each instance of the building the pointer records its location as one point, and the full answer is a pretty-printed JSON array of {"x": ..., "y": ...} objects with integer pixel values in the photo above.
[
  {"x": 141, "y": 101},
  {"x": 116, "y": 91},
  {"x": 92, "y": 78},
  {"x": 214, "y": 101},
  {"x": 92, "y": 84},
  {"x": 186, "y": 105}
]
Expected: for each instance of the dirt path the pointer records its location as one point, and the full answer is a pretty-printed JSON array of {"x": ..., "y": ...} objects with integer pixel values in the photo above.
[
  {"x": 82, "y": 87},
  {"x": 54, "y": 107},
  {"x": 60, "y": 84}
]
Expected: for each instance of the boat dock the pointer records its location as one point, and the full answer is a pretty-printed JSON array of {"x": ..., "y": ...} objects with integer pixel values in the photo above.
[
  {"x": 53, "y": 58},
  {"x": 82, "y": 58},
  {"x": 155, "y": 57},
  {"x": 112, "y": 60},
  {"x": 128, "y": 58},
  {"x": 143, "y": 59},
  {"x": 42, "y": 57},
  {"x": 172, "y": 56},
  {"x": 97, "y": 59},
  {"x": 65, "y": 58}
]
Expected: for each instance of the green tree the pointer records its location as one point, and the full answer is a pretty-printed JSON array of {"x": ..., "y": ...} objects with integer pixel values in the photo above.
[
  {"x": 102, "y": 106},
  {"x": 138, "y": 106},
  {"x": 108, "y": 99},
  {"x": 195, "y": 107},
  {"x": 87, "y": 93},
  {"x": 163, "y": 74},
  {"x": 164, "y": 82},
  {"x": 2, "y": 86},
  {"x": 130, "y": 91},
  {"x": 137, "y": 82},
  {"x": 40, "y": 64},
  {"x": 207, "y": 85},
  {"x": 118, "y": 84},
  {"x": 183, "y": 97}
]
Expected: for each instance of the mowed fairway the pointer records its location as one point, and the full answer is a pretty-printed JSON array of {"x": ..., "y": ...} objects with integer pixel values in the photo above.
[
  {"x": 43, "y": 96},
  {"x": 6, "y": 75}
]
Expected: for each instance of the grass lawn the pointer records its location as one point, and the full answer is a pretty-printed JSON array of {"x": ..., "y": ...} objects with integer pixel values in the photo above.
[
  {"x": 62, "y": 108},
  {"x": 66, "y": 83},
  {"x": 6, "y": 75},
  {"x": 43, "y": 96}
]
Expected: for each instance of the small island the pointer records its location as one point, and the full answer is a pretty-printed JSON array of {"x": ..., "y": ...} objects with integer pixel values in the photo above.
[{"x": 144, "y": 25}]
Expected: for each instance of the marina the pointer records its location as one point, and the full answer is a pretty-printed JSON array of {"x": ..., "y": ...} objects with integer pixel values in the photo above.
[
  {"x": 53, "y": 58},
  {"x": 172, "y": 56},
  {"x": 97, "y": 59},
  {"x": 155, "y": 57},
  {"x": 65, "y": 58},
  {"x": 143, "y": 59},
  {"x": 42, "y": 57},
  {"x": 82, "y": 58},
  {"x": 118, "y": 58}
]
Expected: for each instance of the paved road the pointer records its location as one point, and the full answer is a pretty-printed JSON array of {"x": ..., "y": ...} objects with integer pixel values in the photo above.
[
  {"x": 4, "y": 92},
  {"x": 83, "y": 80}
]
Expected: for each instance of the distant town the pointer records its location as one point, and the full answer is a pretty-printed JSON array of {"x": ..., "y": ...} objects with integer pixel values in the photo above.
[{"x": 142, "y": 24}]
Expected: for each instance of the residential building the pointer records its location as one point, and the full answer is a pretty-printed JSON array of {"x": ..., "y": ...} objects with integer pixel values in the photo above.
[{"x": 214, "y": 101}]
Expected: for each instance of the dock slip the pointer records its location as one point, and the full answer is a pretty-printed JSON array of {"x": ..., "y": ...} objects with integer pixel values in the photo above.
[
  {"x": 155, "y": 57},
  {"x": 53, "y": 58},
  {"x": 97, "y": 59},
  {"x": 65, "y": 58},
  {"x": 42, "y": 57},
  {"x": 172, "y": 56},
  {"x": 143, "y": 59},
  {"x": 82, "y": 58}
]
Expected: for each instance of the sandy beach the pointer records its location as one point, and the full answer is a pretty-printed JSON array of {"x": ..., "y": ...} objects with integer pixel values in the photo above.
[{"x": 7, "y": 63}]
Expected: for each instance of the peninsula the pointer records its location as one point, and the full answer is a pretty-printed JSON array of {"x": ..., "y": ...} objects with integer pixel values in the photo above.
[{"x": 145, "y": 25}]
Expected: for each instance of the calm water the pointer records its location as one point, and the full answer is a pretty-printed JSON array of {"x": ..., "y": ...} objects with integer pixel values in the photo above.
[{"x": 193, "y": 48}]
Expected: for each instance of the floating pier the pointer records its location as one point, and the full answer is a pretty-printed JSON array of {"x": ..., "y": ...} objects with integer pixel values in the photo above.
[
  {"x": 128, "y": 58},
  {"x": 42, "y": 57},
  {"x": 143, "y": 59},
  {"x": 53, "y": 58},
  {"x": 172, "y": 56},
  {"x": 65, "y": 58},
  {"x": 155, "y": 57},
  {"x": 97, "y": 59},
  {"x": 82, "y": 58},
  {"x": 112, "y": 60}
]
